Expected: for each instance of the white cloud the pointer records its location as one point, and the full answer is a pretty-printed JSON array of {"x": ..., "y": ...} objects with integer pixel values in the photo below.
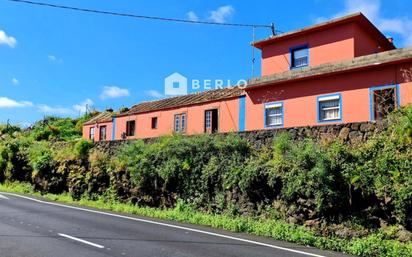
[
  {"x": 7, "y": 40},
  {"x": 80, "y": 108},
  {"x": 154, "y": 93},
  {"x": 54, "y": 110},
  {"x": 15, "y": 81},
  {"x": 84, "y": 106},
  {"x": 192, "y": 16},
  {"x": 221, "y": 14},
  {"x": 113, "y": 92},
  {"x": 53, "y": 58},
  {"x": 401, "y": 26},
  {"x": 6, "y": 102}
]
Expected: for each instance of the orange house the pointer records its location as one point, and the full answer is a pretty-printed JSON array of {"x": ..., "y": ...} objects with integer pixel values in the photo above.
[{"x": 341, "y": 71}]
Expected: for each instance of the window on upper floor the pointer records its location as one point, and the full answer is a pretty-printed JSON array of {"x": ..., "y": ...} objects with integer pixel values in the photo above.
[
  {"x": 330, "y": 108},
  {"x": 180, "y": 123},
  {"x": 299, "y": 57},
  {"x": 130, "y": 128},
  {"x": 273, "y": 114}
]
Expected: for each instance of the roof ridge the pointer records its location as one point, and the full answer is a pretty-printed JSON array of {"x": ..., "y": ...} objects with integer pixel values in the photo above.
[
  {"x": 185, "y": 100},
  {"x": 356, "y": 16},
  {"x": 186, "y": 95}
]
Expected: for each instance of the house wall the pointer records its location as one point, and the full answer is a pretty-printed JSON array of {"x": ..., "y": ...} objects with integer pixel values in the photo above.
[
  {"x": 228, "y": 119},
  {"x": 300, "y": 98},
  {"x": 339, "y": 43},
  {"x": 365, "y": 44},
  {"x": 335, "y": 44},
  {"x": 109, "y": 131}
]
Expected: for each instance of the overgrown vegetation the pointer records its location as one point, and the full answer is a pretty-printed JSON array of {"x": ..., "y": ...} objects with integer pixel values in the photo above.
[{"x": 325, "y": 194}]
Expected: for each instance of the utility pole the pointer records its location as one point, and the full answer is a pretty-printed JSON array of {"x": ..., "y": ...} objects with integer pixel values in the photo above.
[{"x": 253, "y": 52}]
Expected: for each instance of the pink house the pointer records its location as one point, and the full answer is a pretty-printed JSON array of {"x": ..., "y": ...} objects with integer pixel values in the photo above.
[{"x": 341, "y": 71}]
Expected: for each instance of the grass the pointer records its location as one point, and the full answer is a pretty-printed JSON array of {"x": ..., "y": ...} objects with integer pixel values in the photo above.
[{"x": 373, "y": 245}]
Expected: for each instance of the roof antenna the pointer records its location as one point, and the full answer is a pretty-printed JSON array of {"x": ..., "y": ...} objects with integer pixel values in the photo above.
[{"x": 272, "y": 27}]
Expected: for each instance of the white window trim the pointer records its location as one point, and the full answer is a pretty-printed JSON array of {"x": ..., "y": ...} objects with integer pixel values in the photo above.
[
  {"x": 271, "y": 106},
  {"x": 330, "y": 98}
]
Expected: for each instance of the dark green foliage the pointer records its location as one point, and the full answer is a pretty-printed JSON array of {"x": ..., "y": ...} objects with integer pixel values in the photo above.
[
  {"x": 14, "y": 161},
  {"x": 327, "y": 186},
  {"x": 52, "y": 128},
  {"x": 195, "y": 169},
  {"x": 310, "y": 175},
  {"x": 82, "y": 148},
  {"x": 46, "y": 175}
]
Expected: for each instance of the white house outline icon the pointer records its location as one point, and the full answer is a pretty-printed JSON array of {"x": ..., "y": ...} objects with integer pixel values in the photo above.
[{"x": 173, "y": 80}]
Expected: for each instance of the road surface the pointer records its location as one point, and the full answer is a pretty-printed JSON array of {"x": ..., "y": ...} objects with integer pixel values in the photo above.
[{"x": 31, "y": 227}]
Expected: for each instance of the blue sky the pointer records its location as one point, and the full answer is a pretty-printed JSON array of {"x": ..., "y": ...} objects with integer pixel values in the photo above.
[{"x": 54, "y": 62}]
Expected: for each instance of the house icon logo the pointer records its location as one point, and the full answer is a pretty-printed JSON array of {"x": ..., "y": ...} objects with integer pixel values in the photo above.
[{"x": 175, "y": 84}]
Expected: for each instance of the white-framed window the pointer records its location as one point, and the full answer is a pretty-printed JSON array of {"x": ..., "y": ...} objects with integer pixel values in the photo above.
[
  {"x": 208, "y": 119},
  {"x": 330, "y": 107},
  {"x": 180, "y": 123},
  {"x": 91, "y": 133},
  {"x": 273, "y": 114}
]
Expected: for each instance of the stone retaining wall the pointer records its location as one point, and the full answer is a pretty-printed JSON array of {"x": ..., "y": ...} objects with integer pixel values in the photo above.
[{"x": 350, "y": 133}]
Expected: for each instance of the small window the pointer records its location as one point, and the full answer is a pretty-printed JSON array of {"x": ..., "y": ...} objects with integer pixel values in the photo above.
[
  {"x": 180, "y": 123},
  {"x": 273, "y": 114},
  {"x": 299, "y": 57},
  {"x": 329, "y": 108},
  {"x": 130, "y": 128},
  {"x": 91, "y": 133},
  {"x": 103, "y": 130},
  {"x": 154, "y": 122}
]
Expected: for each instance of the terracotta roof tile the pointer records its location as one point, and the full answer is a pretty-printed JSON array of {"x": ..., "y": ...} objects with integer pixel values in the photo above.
[
  {"x": 185, "y": 100},
  {"x": 101, "y": 117}
]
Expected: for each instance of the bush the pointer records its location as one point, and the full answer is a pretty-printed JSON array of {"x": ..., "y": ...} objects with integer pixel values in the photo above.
[
  {"x": 339, "y": 191},
  {"x": 14, "y": 163},
  {"x": 82, "y": 148},
  {"x": 310, "y": 176},
  {"x": 194, "y": 169}
]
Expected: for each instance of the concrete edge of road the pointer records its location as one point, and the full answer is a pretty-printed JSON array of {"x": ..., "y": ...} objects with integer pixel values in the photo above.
[{"x": 243, "y": 237}]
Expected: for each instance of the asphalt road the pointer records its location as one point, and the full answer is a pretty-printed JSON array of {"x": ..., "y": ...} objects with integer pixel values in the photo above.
[{"x": 31, "y": 227}]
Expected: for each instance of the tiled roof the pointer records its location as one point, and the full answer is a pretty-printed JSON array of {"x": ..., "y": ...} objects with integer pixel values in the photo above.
[
  {"x": 185, "y": 100},
  {"x": 101, "y": 117},
  {"x": 358, "y": 63}
]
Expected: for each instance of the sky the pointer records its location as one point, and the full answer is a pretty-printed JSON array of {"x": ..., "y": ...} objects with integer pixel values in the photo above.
[{"x": 57, "y": 62}]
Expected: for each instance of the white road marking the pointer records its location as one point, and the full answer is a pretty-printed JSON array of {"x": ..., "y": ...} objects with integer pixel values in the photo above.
[
  {"x": 81, "y": 241},
  {"x": 3, "y": 197},
  {"x": 170, "y": 225}
]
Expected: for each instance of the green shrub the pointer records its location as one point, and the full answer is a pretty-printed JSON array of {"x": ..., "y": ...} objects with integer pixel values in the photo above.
[
  {"x": 310, "y": 176},
  {"x": 82, "y": 147},
  {"x": 14, "y": 163}
]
